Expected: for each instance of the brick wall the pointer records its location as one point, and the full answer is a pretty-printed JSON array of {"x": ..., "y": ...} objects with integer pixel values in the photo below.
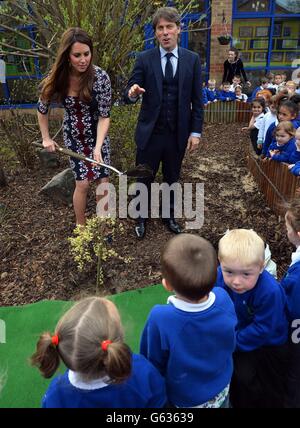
[{"x": 218, "y": 53}]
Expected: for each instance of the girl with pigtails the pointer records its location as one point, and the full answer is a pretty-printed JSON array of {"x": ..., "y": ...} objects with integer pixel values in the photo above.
[{"x": 102, "y": 372}]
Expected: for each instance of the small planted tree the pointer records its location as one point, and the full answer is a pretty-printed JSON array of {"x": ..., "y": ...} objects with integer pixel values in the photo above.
[{"x": 93, "y": 244}]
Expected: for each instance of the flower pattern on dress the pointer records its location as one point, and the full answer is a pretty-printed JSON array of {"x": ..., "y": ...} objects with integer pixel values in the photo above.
[{"x": 80, "y": 127}]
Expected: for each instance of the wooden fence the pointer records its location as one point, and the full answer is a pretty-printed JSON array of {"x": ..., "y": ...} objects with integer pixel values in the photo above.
[
  {"x": 275, "y": 181},
  {"x": 227, "y": 112}
]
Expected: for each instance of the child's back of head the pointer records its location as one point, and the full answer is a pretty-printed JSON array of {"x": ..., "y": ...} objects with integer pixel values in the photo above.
[
  {"x": 89, "y": 340},
  {"x": 189, "y": 264}
]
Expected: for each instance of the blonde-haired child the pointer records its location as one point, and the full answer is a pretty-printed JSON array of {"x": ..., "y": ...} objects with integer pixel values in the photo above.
[
  {"x": 283, "y": 148},
  {"x": 210, "y": 93},
  {"x": 101, "y": 370},
  {"x": 291, "y": 86},
  {"x": 262, "y": 330}
]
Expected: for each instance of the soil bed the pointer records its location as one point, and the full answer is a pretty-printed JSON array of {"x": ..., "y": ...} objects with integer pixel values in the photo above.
[{"x": 34, "y": 251}]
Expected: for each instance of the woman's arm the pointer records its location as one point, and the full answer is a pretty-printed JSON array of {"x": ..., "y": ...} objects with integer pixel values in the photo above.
[
  {"x": 102, "y": 130},
  {"x": 48, "y": 143},
  {"x": 243, "y": 73}
]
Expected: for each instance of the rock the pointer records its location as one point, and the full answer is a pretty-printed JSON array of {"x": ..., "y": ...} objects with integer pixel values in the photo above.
[
  {"x": 3, "y": 208},
  {"x": 3, "y": 275},
  {"x": 48, "y": 159},
  {"x": 61, "y": 187}
]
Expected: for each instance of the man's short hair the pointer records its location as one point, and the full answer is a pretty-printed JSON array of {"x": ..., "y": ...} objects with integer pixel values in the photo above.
[
  {"x": 242, "y": 245},
  {"x": 189, "y": 264},
  {"x": 170, "y": 14}
]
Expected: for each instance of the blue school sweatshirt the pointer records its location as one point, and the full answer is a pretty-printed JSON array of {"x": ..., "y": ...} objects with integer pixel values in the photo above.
[
  {"x": 291, "y": 284},
  {"x": 270, "y": 137},
  {"x": 296, "y": 169},
  {"x": 227, "y": 96},
  {"x": 192, "y": 349},
  {"x": 261, "y": 313},
  {"x": 144, "y": 388},
  {"x": 209, "y": 95},
  {"x": 286, "y": 151}
]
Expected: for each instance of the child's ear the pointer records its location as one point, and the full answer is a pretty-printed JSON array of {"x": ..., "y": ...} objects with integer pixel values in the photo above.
[
  {"x": 298, "y": 233},
  {"x": 166, "y": 284},
  {"x": 262, "y": 267}
]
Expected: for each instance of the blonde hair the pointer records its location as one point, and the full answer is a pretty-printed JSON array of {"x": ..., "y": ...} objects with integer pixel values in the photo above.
[
  {"x": 212, "y": 81},
  {"x": 80, "y": 333},
  {"x": 286, "y": 126},
  {"x": 242, "y": 245},
  {"x": 291, "y": 82}
]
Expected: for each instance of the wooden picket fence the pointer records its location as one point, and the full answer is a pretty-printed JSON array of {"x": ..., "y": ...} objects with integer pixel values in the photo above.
[
  {"x": 227, "y": 112},
  {"x": 275, "y": 181}
]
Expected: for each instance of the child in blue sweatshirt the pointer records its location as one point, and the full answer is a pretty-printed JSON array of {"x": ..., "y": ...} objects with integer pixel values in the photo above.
[
  {"x": 260, "y": 358},
  {"x": 295, "y": 159},
  {"x": 291, "y": 285},
  {"x": 101, "y": 370},
  {"x": 288, "y": 110},
  {"x": 210, "y": 94},
  {"x": 284, "y": 147},
  {"x": 226, "y": 94},
  {"x": 191, "y": 339}
]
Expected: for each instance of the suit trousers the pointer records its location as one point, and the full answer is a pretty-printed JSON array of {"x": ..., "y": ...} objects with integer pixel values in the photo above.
[{"x": 162, "y": 148}]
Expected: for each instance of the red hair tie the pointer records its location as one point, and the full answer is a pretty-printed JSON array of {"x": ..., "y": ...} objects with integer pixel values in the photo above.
[
  {"x": 55, "y": 340},
  {"x": 104, "y": 345}
]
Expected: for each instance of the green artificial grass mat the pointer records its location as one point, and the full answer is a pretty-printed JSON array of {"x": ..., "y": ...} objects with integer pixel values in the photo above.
[{"x": 24, "y": 386}]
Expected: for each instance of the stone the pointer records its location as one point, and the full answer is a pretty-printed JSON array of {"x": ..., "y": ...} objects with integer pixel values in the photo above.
[
  {"x": 61, "y": 187},
  {"x": 48, "y": 159}
]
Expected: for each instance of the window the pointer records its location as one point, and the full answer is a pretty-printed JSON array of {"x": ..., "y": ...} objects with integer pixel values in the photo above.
[
  {"x": 253, "y": 6},
  {"x": 286, "y": 44},
  {"x": 287, "y": 6},
  {"x": 251, "y": 38}
]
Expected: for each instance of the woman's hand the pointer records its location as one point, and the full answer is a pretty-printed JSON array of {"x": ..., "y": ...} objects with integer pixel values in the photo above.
[
  {"x": 97, "y": 155},
  {"x": 49, "y": 145}
]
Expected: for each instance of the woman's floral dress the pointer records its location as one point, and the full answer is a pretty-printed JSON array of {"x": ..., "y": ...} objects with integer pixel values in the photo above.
[{"x": 80, "y": 127}]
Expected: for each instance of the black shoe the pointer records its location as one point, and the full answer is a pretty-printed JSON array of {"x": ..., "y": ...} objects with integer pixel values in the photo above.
[
  {"x": 140, "y": 229},
  {"x": 172, "y": 225}
]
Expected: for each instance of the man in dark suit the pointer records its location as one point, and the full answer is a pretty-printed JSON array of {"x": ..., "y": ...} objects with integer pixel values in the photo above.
[{"x": 171, "y": 115}]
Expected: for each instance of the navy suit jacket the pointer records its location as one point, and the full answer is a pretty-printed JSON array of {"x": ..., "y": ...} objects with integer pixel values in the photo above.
[{"x": 147, "y": 73}]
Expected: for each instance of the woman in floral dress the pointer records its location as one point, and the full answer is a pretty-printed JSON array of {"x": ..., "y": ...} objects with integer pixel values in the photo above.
[{"x": 85, "y": 92}]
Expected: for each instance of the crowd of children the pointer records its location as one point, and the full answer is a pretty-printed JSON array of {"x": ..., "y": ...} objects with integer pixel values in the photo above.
[
  {"x": 272, "y": 84},
  {"x": 228, "y": 335},
  {"x": 274, "y": 127}
]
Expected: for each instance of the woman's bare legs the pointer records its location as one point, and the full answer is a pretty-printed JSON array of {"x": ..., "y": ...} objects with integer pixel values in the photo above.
[{"x": 79, "y": 201}]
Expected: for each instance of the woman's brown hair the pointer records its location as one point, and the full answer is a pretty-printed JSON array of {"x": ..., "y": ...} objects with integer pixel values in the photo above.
[
  {"x": 55, "y": 86},
  {"x": 80, "y": 333}
]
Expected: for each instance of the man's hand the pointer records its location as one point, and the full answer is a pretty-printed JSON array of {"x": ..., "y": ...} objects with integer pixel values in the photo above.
[
  {"x": 193, "y": 143},
  {"x": 135, "y": 91}
]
